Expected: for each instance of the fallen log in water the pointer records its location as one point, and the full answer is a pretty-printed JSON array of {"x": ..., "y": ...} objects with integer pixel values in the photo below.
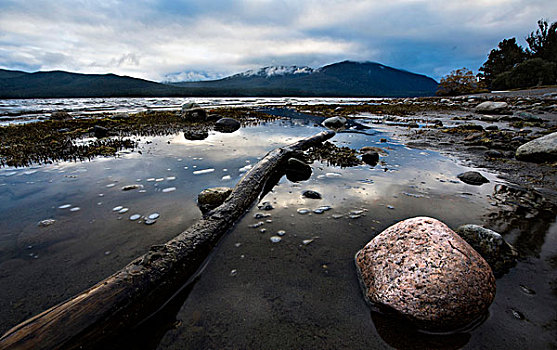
[{"x": 143, "y": 286}]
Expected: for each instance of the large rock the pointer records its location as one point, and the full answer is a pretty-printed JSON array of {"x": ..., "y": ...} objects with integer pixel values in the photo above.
[
  {"x": 100, "y": 131},
  {"x": 426, "y": 273},
  {"x": 472, "y": 178},
  {"x": 227, "y": 125},
  {"x": 493, "y": 107},
  {"x": 542, "y": 149},
  {"x": 210, "y": 198},
  {"x": 192, "y": 111},
  {"x": 297, "y": 170},
  {"x": 499, "y": 254},
  {"x": 335, "y": 122}
]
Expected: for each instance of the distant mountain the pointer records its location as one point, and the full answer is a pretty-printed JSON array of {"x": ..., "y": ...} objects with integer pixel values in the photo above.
[
  {"x": 343, "y": 79},
  {"x": 339, "y": 79},
  {"x": 16, "y": 84}
]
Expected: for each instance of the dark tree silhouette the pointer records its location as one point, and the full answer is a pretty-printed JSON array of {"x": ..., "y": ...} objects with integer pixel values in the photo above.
[
  {"x": 458, "y": 82},
  {"x": 543, "y": 42},
  {"x": 505, "y": 57}
]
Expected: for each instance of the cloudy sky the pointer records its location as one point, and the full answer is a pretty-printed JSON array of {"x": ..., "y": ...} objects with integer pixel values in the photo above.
[{"x": 174, "y": 40}]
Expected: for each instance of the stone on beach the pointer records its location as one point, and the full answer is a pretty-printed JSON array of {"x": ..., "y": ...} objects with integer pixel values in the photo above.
[
  {"x": 499, "y": 254},
  {"x": 472, "y": 178},
  {"x": 335, "y": 122},
  {"x": 296, "y": 170},
  {"x": 210, "y": 198},
  {"x": 493, "y": 107},
  {"x": 193, "y": 111},
  {"x": 542, "y": 149},
  {"x": 426, "y": 273},
  {"x": 227, "y": 125},
  {"x": 60, "y": 115}
]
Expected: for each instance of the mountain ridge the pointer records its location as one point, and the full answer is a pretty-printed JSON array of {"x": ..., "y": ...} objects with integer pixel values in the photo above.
[{"x": 342, "y": 79}]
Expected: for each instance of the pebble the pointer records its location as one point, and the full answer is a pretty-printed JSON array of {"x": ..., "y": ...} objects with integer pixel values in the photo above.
[
  {"x": 123, "y": 210},
  {"x": 226, "y": 177},
  {"x": 118, "y": 208},
  {"x": 75, "y": 209},
  {"x": 281, "y": 233},
  {"x": 266, "y": 206},
  {"x": 65, "y": 206},
  {"x": 256, "y": 225},
  {"x": 169, "y": 189},
  {"x": 275, "y": 239},
  {"x": 131, "y": 187},
  {"x": 527, "y": 290},
  {"x": 307, "y": 241},
  {"x": 135, "y": 217},
  {"x": 333, "y": 175},
  {"x": 390, "y": 207},
  {"x": 303, "y": 211},
  {"x": 110, "y": 185},
  {"x": 149, "y": 222},
  {"x": 261, "y": 215},
  {"x": 153, "y": 216},
  {"x": 321, "y": 209},
  {"x": 233, "y": 272},
  {"x": 204, "y": 171},
  {"x": 46, "y": 222},
  {"x": 263, "y": 230},
  {"x": 151, "y": 179},
  {"x": 171, "y": 178},
  {"x": 517, "y": 314}
]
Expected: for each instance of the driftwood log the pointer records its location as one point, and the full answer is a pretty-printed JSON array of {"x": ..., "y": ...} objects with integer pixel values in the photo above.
[{"x": 138, "y": 290}]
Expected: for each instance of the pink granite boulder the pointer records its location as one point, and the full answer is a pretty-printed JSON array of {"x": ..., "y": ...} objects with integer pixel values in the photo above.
[{"x": 426, "y": 273}]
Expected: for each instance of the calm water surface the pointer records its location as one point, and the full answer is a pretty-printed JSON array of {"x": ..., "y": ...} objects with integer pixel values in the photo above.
[{"x": 301, "y": 292}]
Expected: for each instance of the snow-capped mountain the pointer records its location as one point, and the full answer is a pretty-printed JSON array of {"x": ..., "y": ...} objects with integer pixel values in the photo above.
[
  {"x": 346, "y": 78},
  {"x": 273, "y": 71}
]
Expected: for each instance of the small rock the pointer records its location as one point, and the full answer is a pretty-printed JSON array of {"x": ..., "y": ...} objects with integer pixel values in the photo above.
[
  {"x": 493, "y": 107},
  {"x": 211, "y": 198},
  {"x": 275, "y": 239},
  {"x": 378, "y": 150},
  {"x": 266, "y": 206},
  {"x": 542, "y": 149},
  {"x": 472, "y": 178},
  {"x": 370, "y": 158},
  {"x": 195, "y": 134},
  {"x": 311, "y": 194},
  {"x": 46, "y": 222},
  {"x": 426, "y": 273},
  {"x": 492, "y": 128},
  {"x": 499, "y": 254},
  {"x": 100, "y": 131},
  {"x": 132, "y": 187},
  {"x": 192, "y": 111},
  {"x": 335, "y": 122},
  {"x": 227, "y": 125},
  {"x": 493, "y": 154}
]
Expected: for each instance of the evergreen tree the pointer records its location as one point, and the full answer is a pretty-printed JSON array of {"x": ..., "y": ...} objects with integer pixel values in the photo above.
[
  {"x": 543, "y": 42},
  {"x": 505, "y": 57}
]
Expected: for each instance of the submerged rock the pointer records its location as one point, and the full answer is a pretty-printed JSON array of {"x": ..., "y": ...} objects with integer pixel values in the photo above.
[
  {"x": 499, "y": 254},
  {"x": 46, "y": 222},
  {"x": 472, "y": 178},
  {"x": 194, "y": 135},
  {"x": 426, "y": 273},
  {"x": 227, "y": 125},
  {"x": 296, "y": 170},
  {"x": 542, "y": 149},
  {"x": 493, "y": 107},
  {"x": 210, "y": 198},
  {"x": 335, "y": 122}
]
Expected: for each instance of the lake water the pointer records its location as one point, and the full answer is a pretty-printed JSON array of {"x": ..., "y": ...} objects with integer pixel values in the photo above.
[{"x": 301, "y": 292}]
